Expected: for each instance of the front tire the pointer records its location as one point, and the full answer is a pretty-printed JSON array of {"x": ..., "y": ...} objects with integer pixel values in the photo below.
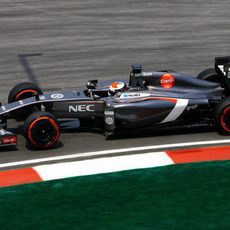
[
  {"x": 41, "y": 130},
  {"x": 222, "y": 116},
  {"x": 22, "y": 91}
]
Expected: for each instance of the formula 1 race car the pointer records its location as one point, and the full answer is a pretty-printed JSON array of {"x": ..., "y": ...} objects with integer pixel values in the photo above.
[{"x": 146, "y": 101}]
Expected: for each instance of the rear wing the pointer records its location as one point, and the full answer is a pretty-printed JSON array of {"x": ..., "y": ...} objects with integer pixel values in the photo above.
[{"x": 222, "y": 66}]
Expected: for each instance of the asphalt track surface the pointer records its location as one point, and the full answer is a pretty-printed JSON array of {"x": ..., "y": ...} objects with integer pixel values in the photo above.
[{"x": 62, "y": 44}]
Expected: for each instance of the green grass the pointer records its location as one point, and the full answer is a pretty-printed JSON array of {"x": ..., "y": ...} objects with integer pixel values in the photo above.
[{"x": 191, "y": 196}]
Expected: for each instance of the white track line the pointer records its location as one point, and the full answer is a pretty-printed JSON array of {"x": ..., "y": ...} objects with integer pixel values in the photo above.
[{"x": 107, "y": 152}]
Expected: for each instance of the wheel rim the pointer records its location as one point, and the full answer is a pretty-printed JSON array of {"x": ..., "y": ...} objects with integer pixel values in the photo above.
[
  {"x": 43, "y": 132},
  {"x": 225, "y": 119}
]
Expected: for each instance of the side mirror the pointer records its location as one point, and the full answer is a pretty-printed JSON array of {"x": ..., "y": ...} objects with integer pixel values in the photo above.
[{"x": 92, "y": 84}]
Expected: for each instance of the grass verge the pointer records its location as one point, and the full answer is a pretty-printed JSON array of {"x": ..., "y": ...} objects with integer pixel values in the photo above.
[{"x": 191, "y": 196}]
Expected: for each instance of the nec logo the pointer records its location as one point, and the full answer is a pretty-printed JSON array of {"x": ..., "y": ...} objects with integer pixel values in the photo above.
[{"x": 81, "y": 108}]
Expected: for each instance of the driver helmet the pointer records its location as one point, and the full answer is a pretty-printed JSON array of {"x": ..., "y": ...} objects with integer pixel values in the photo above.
[{"x": 115, "y": 87}]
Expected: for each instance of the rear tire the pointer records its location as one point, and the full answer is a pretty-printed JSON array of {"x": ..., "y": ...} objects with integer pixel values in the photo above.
[
  {"x": 22, "y": 91},
  {"x": 209, "y": 75},
  {"x": 41, "y": 130},
  {"x": 222, "y": 116}
]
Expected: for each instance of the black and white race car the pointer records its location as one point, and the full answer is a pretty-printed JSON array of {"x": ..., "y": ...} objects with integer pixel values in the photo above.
[{"x": 146, "y": 101}]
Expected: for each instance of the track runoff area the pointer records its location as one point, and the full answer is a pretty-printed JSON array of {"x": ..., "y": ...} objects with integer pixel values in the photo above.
[
  {"x": 144, "y": 197},
  {"x": 108, "y": 161}
]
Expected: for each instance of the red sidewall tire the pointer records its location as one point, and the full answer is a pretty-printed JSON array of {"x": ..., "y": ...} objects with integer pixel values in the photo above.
[
  {"x": 23, "y": 90},
  {"x": 222, "y": 116},
  {"x": 20, "y": 92},
  {"x": 41, "y": 130}
]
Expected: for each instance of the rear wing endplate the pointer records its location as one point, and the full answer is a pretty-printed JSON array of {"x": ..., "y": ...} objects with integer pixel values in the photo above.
[{"x": 222, "y": 67}]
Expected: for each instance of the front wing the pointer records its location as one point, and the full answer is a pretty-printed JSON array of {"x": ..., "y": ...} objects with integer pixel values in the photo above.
[{"x": 7, "y": 138}]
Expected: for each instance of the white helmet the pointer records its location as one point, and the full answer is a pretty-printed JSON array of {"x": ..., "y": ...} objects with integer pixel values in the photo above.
[{"x": 115, "y": 87}]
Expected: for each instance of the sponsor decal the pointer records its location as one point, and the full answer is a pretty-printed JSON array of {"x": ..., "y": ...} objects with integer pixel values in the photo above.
[
  {"x": 20, "y": 102},
  {"x": 144, "y": 74},
  {"x": 57, "y": 96},
  {"x": 128, "y": 95},
  {"x": 42, "y": 97},
  {"x": 167, "y": 81},
  {"x": 134, "y": 95},
  {"x": 191, "y": 107},
  {"x": 109, "y": 120},
  {"x": 81, "y": 108},
  {"x": 109, "y": 113},
  {"x": 3, "y": 108}
]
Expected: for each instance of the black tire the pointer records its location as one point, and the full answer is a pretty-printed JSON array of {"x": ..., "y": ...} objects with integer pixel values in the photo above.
[
  {"x": 209, "y": 75},
  {"x": 41, "y": 130},
  {"x": 222, "y": 116},
  {"x": 23, "y": 90}
]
